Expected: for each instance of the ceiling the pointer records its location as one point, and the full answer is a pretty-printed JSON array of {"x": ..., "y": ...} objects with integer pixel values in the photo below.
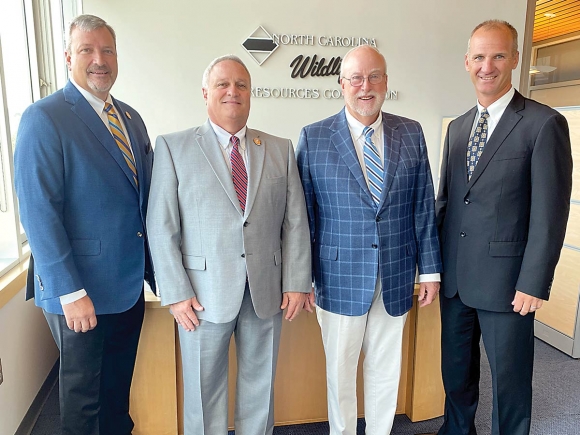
[{"x": 566, "y": 19}]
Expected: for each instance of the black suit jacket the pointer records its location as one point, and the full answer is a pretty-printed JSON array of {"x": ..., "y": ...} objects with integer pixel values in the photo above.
[{"x": 504, "y": 229}]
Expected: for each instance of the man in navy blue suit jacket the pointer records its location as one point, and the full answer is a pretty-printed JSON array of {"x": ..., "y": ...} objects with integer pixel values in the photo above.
[
  {"x": 83, "y": 197},
  {"x": 371, "y": 224}
]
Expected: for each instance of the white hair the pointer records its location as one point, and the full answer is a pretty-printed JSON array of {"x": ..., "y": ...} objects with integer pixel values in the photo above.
[
  {"x": 207, "y": 72},
  {"x": 352, "y": 50}
]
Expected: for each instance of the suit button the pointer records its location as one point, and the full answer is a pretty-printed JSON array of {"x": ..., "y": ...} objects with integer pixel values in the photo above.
[
  {"x": 462, "y": 234},
  {"x": 374, "y": 246},
  {"x": 378, "y": 219},
  {"x": 139, "y": 234},
  {"x": 467, "y": 201},
  {"x": 243, "y": 255},
  {"x": 246, "y": 224}
]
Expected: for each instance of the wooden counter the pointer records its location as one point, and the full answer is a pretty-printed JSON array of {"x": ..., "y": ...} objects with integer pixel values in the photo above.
[
  {"x": 153, "y": 404},
  {"x": 300, "y": 389}
]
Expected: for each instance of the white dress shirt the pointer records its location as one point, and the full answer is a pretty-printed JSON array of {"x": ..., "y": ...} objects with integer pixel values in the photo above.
[
  {"x": 226, "y": 146},
  {"x": 358, "y": 138},
  {"x": 495, "y": 111}
]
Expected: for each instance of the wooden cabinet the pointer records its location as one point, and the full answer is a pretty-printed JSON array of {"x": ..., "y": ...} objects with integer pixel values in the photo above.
[{"x": 300, "y": 390}]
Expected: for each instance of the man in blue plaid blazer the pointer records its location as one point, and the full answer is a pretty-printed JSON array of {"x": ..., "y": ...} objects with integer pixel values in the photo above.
[{"x": 370, "y": 202}]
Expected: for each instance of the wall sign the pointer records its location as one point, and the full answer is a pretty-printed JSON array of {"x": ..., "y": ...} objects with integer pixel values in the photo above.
[{"x": 260, "y": 45}]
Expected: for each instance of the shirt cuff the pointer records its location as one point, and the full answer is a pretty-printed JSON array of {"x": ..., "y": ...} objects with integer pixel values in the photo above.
[
  {"x": 72, "y": 297},
  {"x": 430, "y": 277}
]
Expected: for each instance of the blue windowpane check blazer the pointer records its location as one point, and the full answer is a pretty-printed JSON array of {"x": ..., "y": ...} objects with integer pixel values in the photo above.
[{"x": 353, "y": 238}]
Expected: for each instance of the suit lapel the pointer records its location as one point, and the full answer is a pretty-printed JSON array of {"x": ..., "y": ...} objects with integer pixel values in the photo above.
[
  {"x": 256, "y": 155},
  {"x": 82, "y": 108},
  {"x": 506, "y": 124},
  {"x": 460, "y": 143},
  {"x": 391, "y": 147},
  {"x": 210, "y": 147},
  {"x": 342, "y": 140}
]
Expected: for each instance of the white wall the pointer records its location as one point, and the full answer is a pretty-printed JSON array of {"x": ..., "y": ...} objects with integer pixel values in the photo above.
[
  {"x": 28, "y": 353},
  {"x": 164, "y": 46}
]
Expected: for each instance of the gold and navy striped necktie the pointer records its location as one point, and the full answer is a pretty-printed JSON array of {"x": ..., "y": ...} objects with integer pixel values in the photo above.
[{"x": 121, "y": 139}]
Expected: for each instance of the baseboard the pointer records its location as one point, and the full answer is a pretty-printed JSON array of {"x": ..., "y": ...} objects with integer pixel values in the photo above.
[{"x": 29, "y": 420}]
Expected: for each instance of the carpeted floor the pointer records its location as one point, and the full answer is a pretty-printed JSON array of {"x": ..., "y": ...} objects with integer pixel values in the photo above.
[{"x": 556, "y": 403}]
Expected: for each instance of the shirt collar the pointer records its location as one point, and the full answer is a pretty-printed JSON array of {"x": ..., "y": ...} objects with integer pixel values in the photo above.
[
  {"x": 356, "y": 127},
  {"x": 95, "y": 102},
  {"x": 223, "y": 136},
  {"x": 497, "y": 108}
]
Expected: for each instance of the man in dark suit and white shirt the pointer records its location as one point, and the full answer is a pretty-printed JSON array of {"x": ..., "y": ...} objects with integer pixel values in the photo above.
[
  {"x": 502, "y": 209},
  {"x": 82, "y": 173}
]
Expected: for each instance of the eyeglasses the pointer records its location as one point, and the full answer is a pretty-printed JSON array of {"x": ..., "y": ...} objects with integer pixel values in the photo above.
[{"x": 373, "y": 79}]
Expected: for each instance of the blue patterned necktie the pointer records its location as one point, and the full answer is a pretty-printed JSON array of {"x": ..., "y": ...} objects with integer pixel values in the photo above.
[
  {"x": 121, "y": 139},
  {"x": 374, "y": 166},
  {"x": 239, "y": 173},
  {"x": 477, "y": 143}
]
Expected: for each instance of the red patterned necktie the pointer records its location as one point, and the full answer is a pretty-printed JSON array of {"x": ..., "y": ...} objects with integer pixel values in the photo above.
[{"x": 239, "y": 174}]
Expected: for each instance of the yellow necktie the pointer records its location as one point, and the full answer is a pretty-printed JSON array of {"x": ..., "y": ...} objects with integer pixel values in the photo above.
[{"x": 121, "y": 139}]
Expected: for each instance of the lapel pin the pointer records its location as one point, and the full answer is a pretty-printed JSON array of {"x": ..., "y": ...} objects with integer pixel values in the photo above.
[
  {"x": 128, "y": 115},
  {"x": 257, "y": 141}
]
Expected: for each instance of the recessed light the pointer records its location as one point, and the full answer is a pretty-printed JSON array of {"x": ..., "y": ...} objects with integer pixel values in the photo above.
[{"x": 549, "y": 15}]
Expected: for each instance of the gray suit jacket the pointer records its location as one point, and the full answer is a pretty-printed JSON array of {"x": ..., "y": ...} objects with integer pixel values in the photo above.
[{"x": 201, "y": 242}]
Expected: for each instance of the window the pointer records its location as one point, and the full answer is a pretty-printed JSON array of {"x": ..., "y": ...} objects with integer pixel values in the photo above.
[
  {"x": 556, "y": 63},
  {"x": 30, "y": 33}
]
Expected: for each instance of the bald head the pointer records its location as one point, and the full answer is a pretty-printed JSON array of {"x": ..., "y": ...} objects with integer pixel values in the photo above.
[
  {"x": 364, "y": 83},
  {"x": 361, "y": 50}
]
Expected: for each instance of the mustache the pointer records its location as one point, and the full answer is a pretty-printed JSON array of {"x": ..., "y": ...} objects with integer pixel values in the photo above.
[
  {"x": 98, "y": 69},
  {"x": 367, "y": 94}
]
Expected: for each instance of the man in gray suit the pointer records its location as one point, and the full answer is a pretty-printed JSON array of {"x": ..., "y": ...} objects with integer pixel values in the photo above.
[{"x": 230, "y": 243}]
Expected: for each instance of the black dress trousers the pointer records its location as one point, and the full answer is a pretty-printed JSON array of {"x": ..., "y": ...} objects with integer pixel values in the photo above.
[{"x": 96, "y": 369}]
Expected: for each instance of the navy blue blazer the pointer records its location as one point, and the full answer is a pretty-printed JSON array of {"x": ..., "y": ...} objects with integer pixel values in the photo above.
[
  {"x": 351, "y": 237},
  {"x": 503, "y": 229},
  {"x": 80, "y": 207}
]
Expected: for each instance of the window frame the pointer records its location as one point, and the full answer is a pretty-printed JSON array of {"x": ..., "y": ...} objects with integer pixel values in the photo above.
[
  {"x": 44, "y": 28},
  {"x": 535, "y": 59}
]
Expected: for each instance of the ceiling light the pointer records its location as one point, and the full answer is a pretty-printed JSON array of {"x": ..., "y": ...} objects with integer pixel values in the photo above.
[{"x": 541, "y": 69}]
